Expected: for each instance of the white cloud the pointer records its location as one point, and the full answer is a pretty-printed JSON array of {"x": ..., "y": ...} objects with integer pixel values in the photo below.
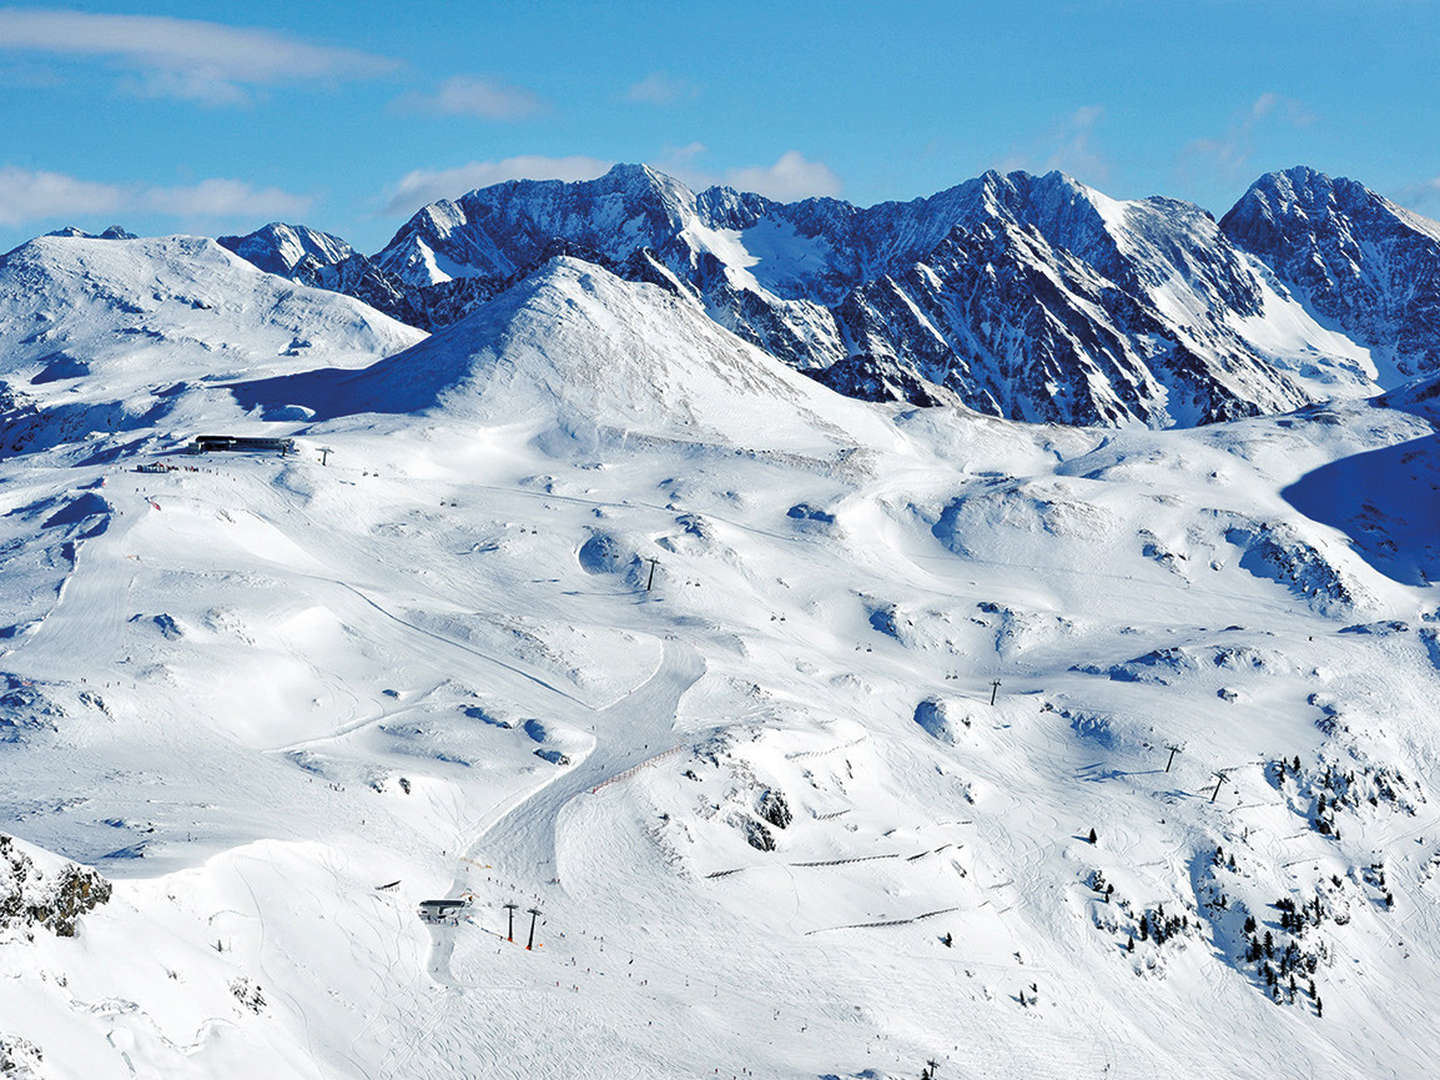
[
  {"x": 27, "y": 196},
  {"x": 1228, "y": 153},
  {"x": 207, "y": 62},
  {"x": 36, "y": 196},
  {"x": 474, "y": 95},
  {"x": 1069, "y": 146},
  {"x": 1076, "y": 153},
  {"x": 422, "y": 186},
  {"x": 223, "y": 198},
  {"x": 792, "y": 177},
  {"x": 1424, "y": 196},
  {"x": 658, "y": 88},
  {"x": 680, "y": 162}
]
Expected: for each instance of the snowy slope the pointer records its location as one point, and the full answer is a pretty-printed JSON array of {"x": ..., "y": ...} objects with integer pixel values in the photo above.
[
  {"x": 771, "y": 819},
  {"x": 109, "y": 334}
]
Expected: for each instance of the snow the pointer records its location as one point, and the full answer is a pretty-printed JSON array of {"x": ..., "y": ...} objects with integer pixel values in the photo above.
[{"x": 363, "y": 658}]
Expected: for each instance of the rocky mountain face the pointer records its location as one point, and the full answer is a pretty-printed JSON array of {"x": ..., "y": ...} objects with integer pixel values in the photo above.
[
  {"x": 1031, "y": 297},
  {"x": 1354, "y": 256}
]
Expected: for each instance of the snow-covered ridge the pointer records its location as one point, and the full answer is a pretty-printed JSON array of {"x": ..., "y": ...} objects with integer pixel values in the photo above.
[
  {"x": 575, "y": 350},
  {"x": 1034, "y": 297}
]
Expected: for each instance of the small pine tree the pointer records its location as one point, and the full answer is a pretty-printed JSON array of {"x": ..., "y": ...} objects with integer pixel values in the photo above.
[
  {"x": 1093, "y": 837},
  {"x": 1130, "y": 944},
  {"x": 1249, "y": 924}
]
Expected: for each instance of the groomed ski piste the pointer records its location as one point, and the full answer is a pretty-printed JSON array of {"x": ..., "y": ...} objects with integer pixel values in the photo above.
[{"x": 769, "y": 816}]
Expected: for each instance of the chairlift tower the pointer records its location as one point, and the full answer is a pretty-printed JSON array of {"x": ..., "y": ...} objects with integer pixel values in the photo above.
[{"x": 510, "y": 908}]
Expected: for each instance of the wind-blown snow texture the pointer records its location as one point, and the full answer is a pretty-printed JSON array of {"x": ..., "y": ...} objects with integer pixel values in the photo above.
[{"x": 588, "y": 602}]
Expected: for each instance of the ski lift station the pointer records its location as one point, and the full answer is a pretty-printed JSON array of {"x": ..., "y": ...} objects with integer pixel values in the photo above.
[
  {"x": 244, "y": 443},
  {"x": 439, "y": 911}
]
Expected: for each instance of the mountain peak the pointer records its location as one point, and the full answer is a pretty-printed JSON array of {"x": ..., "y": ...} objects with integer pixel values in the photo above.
[
  {"x": 278, "y": 248},
  {"x": 1363, "y": 262}
]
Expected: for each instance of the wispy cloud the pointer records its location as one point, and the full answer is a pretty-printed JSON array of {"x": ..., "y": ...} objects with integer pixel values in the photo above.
[
  {"x": 683, "y": 163},
  {"x": 1228, "y": 154},
  {"x": 206, "y": 62},
  {"x": 224, "y": 198},
  {"x": 1076, "y": 152},
  {"x": 422, "y": 186},
  {"x": 475, "y": 95},
  {"x": 1070, "y": 146},
  {"x": 659, "y": 88},
  {"x": 792, "y": 176},
  {"x": 1423, "y": 197},
  {"x": 29, "y": 196}
]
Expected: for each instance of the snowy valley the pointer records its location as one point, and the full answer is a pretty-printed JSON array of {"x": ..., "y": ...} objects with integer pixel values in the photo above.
[{"x": 990, "y": 635}]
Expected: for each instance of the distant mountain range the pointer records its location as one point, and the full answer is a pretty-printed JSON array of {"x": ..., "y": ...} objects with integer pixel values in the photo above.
[{"x": 1032, "y": 297}]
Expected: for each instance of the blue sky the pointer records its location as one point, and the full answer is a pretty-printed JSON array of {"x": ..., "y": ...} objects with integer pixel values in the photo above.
[{"x": 208, "y": 117}]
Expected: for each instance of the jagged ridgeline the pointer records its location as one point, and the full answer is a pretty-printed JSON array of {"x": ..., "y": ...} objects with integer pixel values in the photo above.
[{"x": 1035, "y": 298}]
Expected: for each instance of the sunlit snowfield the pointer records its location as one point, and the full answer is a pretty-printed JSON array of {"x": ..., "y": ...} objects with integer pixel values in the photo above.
[{"x": 765, "y": 806}]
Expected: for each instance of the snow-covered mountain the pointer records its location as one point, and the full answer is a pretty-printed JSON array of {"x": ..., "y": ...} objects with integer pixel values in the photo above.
[
  {"x": 288, "y": 250},
  {"x": 824, "y": 737},
  {"x": 1033, "y": 297},
  {"x": 587, "y": 603},
  {"x": 106, "y": 334},
  {"x": 581, "y": 354},
  {"x": 1362, "y": 263},
  {"x": 1030, "y": 297}
]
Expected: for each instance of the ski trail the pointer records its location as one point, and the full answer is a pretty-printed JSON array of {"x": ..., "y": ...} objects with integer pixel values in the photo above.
[{"x": 521, "y": 839}]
